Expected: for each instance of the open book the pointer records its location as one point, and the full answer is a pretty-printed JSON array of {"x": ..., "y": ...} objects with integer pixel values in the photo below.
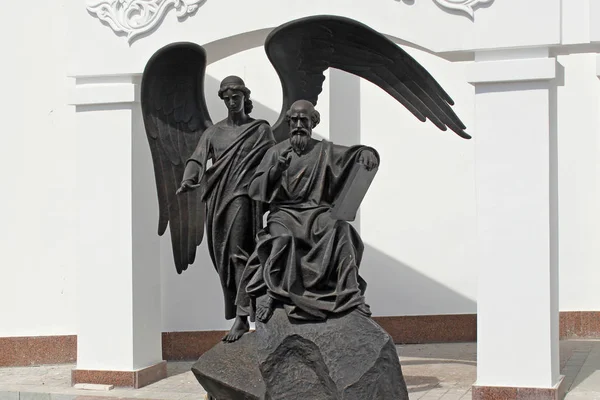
[{"x": 352, "y": 194}]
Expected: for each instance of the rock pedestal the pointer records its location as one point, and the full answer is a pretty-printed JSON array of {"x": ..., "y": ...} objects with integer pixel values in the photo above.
[
  {"x": 348, "y": 357},
  {"x": 229, "y": 371}
]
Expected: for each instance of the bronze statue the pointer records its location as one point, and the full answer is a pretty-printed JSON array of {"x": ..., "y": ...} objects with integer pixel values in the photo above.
[
  {"x": 183, "y": 139},
  {"x": 235, "y": 145},
  {"x": 305, "y": 259}
]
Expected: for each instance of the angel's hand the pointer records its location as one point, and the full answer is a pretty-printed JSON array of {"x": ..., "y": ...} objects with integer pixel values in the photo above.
[
  {"x": 186, "y": 186},
  {"x": 283, "y": 162},
  {"x": 368, "y": 159}
]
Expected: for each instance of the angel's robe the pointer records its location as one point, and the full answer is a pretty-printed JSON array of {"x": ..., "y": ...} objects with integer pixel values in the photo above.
[
  {"x": 304, "y": 258},
  {"x": 232, "y": 218}
]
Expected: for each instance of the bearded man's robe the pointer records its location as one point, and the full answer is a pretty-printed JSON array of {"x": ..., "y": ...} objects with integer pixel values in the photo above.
[{"x": 312, "y": 268}]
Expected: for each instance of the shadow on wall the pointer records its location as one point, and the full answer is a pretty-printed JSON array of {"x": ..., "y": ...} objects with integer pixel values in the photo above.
[
  {"x": 409, "y": 289},
  {"x": 194, "y": 300}
]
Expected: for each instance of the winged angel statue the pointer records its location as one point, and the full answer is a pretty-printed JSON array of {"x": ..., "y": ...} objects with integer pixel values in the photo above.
[{"x": 183, "y": 139}]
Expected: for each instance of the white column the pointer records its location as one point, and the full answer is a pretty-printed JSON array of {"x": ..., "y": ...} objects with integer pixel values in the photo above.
[
  {"x": 118, "y": 282},
  {"x": 515, "y": 134}
]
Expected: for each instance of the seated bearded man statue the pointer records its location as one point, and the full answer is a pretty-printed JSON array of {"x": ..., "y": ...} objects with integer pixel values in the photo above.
[{"x": 305, "y": 259}]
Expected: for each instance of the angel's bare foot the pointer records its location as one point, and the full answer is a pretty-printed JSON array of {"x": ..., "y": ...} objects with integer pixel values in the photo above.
[
  {"x": 264, "y": 308},
  {"x": 240, "y": 326}
]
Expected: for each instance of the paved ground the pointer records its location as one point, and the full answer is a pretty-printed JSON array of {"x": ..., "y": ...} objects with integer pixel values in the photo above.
[{"x": 433, "y": 372}]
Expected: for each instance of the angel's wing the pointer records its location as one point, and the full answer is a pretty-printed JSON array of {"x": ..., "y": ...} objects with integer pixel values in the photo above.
[
  {"x": 175, "y": 116},
  {"x": 303, "y": 49}
]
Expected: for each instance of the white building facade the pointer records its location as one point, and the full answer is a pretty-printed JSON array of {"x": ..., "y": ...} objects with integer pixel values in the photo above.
[{"x": 501, "y": 229}]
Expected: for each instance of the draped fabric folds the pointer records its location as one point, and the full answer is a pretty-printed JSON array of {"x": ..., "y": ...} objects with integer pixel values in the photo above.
[
  {"x": 232, "y": 218},
  {"x": 304, "y": 258}
]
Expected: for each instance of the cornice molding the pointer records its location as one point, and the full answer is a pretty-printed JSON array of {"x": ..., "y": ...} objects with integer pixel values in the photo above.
[
  {"x": 515, "y": 70},
  {"x": 136, "y": 17}
]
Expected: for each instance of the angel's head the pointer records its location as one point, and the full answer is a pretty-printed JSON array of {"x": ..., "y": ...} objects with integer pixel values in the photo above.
[
  {"x": 302, "y": 119},
  {"x": 235, "y": 94}
]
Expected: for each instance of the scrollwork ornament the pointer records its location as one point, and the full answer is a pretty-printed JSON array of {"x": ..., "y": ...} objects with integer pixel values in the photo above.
[
  {"x": 136, "y": 17},
  {"x": 467, "y": 6}
]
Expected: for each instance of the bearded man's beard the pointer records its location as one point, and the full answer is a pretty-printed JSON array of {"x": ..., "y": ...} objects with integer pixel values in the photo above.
[{"x": 299, "y": 141}]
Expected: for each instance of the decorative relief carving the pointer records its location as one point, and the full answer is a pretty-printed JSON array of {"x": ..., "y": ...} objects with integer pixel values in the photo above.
[
  {"x": 135, "y": 17},
  {"x": 467, "y": 6}
]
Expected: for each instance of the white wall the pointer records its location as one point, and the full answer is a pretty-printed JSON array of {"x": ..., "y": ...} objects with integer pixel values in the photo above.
[
  {"x": 418, "y": 219},
  {"x": 421, "y": 22},
  {"x": 37, "y": 253}
]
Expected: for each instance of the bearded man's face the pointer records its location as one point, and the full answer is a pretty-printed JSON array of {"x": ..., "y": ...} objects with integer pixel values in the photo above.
[{"x": 300, "y": 130}]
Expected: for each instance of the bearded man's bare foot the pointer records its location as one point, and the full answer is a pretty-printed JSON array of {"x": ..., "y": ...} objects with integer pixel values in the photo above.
[
  {"x": 264, "y": 308},
  {"x": 240, "y": 326}
]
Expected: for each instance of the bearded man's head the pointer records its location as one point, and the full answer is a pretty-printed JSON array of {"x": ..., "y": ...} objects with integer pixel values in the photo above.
[{"x": 302, "y": 119}]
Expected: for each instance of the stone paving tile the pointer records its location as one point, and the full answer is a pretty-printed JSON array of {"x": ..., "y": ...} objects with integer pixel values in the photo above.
[
  {"x": 568, "y": 383},
  {"x": 431, "y": 396},
  {"x": 163, "y": 396},
  {"x": 582, "y": 396},
  {"x": 439, "y": 371},
  {"x": 457, "y": 391},
  {"x": 54, "y": 396},
  {"x": 416, "y": 395},
  {"x": 571, "y": 370},
  {"x": 449, "y": 396},
  {"x": 592, "y": 359},
  {"x": 437, "y": 392},
  {"x": 34, "y": 396},
  {"x": 192, "y": 397},
  {"x": 432, "y": 372},
  {"x": 9, "y": 395},
  {"x": 588, "y": 379},
  {"x": 583, "y": 373}
]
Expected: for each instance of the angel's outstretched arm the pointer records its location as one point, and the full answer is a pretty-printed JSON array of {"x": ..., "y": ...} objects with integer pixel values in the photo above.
[
  {"x": 196, "y": 166},
  {"x": 193, "y": 173}
]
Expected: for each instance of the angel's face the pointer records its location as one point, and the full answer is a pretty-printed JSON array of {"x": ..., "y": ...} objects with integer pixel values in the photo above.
[{"x": 234, "y": 100}]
